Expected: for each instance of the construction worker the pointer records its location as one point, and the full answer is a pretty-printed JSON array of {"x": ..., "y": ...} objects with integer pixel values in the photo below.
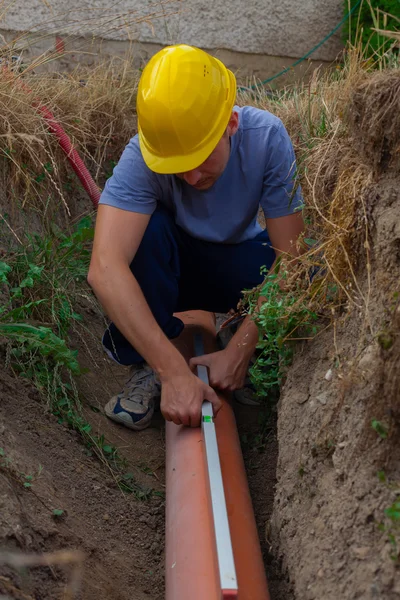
[{"x": 177, "y": 229}]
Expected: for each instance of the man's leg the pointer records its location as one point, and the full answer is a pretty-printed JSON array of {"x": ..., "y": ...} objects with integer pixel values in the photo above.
[
  {"x": 213, "y": 276},
  {"x": 177, "y": 272},
  {"x": 156, "y": 268}
]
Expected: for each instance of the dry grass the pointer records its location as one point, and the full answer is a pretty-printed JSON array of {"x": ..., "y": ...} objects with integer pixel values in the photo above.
[
  {"x": 325, "y": 119},
  {"x": 96, "y": 107}
]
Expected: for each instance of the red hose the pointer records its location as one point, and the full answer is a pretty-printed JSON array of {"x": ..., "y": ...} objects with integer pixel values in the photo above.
[{"x": 71, "y": 153}]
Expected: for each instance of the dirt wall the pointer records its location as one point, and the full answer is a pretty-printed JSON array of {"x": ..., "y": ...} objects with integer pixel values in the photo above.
[{"x": 336, "y": 473}]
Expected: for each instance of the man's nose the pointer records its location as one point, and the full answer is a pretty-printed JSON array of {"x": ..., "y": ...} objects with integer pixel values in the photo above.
[{"x": 192, "y": 177}]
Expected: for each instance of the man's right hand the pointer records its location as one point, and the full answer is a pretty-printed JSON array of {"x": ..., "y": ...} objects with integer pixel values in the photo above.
[{"x": 182, "y": 397}]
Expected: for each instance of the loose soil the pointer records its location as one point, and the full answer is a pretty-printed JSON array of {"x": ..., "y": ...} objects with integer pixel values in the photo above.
[{"x": 122, "y": 538}]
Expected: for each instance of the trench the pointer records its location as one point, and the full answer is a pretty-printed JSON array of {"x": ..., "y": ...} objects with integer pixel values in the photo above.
[{"x": 121, "y": 536}]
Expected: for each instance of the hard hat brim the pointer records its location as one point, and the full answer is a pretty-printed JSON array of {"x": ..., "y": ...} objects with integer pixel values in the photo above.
[{"x": 181, "y": 164}]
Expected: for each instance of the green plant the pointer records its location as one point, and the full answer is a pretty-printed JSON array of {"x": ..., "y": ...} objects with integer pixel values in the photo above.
[
  {"x": 43, "y": 278},
  {"x": 282, "y": 317},
  {"x": 7, "y": 464},
  {"x": 385, "y": 339},
  {"x": 381, "y": 429},
  {"x": 370, "y": 15},
  {"x": 39, "y": 288},
  {"x": 38, "y": 291}
]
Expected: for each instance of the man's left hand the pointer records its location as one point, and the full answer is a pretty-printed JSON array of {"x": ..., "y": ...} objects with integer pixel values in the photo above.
[{"x": 227, "y": 368}]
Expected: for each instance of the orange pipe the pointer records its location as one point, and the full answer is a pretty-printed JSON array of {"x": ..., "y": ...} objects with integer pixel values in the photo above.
[{"x": 191, "y": 560}]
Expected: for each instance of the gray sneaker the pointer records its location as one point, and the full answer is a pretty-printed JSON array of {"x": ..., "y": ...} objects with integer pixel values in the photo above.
[{"x": 134, "y": 406}]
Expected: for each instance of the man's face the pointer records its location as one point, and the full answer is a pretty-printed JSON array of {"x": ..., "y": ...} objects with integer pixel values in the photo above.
[{"x": 204, "y": 176}]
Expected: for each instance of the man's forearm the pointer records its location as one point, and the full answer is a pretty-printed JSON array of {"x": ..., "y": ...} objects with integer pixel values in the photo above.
[{"x": 124, "y": 302}]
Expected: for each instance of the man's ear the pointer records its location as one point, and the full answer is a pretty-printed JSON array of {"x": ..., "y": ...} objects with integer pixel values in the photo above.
[{"x": 233, "y": 124}]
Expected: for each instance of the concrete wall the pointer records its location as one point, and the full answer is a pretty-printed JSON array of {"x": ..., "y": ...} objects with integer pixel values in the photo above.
[{"x": 245, "y": 31}]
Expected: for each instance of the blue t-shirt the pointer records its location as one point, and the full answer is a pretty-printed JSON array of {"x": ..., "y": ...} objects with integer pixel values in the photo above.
[{"x": 260, "y": 172}]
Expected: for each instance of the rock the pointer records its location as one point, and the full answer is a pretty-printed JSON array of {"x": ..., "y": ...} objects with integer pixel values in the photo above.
[
  {"x": 329, "y": 375},
  {"x": 150, "y": 521},
  {"x": 361, "y": 552},
  {"x": 312, "y": 406},
  {"x": 370, "y": 358},
  {"x": 323, "y": 397},
  {"x": 301, "y": 398}
]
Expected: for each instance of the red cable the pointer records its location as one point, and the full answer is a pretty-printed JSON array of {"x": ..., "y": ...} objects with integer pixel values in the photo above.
[
  {"x": 65, "y": 142},
  {"x": 72, "y": 154}
]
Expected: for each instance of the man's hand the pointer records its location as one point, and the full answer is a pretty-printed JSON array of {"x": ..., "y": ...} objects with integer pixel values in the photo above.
[
  {"x": 227, "y": 368},
  {"x": 182, "y": 397}
]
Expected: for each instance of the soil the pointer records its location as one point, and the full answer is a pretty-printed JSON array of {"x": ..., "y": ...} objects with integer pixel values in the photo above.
[
  {"x": 122, "y": 538},
  {"x": 329, "y": 500}
]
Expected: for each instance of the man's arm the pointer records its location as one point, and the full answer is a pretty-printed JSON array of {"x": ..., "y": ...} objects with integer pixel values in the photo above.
[
  {"x": 117, "y": 238},
  {"x": 228, "y": 368}
]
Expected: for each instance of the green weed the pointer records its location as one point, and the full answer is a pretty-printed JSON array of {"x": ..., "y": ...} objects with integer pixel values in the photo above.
[
  {"x": 281, "y": 318},
  {"x": 301, "y": 471},
  {"x": 7, "y": 464},
  {"x": 39, "y": 288},
  {"x": 381, "y": 429},
  {"x": 385, "y": 339},
  {"x": 41, "y": 282}
]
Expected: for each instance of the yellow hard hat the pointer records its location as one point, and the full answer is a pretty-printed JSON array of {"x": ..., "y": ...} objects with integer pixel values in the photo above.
[{"x": 184, "y": 103}]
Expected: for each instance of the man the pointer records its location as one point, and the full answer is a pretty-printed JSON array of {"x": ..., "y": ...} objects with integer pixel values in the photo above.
[{"x": 177, "y": 230}]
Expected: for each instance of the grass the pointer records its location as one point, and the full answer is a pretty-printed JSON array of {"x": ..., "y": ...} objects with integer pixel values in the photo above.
[
  {"x": 8, "y": 465},
  {"x": 96, "y": 107},
  {"x": 366, "y": 23},
  {"x": 322, "y": 118},
  {"x": 41, "y": 284}
]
